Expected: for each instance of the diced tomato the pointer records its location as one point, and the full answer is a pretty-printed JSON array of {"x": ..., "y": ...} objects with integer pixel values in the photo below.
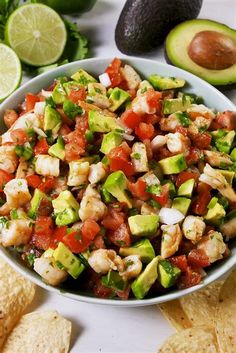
[
  {"x": 57, "y": 236},
  {"x": 47, "y": 185},
  {"x": 121, "y": 236},
  {"x": 193, "y": 156},
  {"x": 180, "y": 262},
  {"x": 226, "y": 120},
  {"x": 10, "y": 117},
  {"x": 19, "y": 136},
  {"x": 199, "y": 205},
  {"x": 138, "y": 189},
  {"x": 73, "y": 152},
  {"x": 153, "y": 99},
  {"x": 101, "y": 291},
  {"x": 131, "y": 119},
  {"x": 184, "y": 176},
  {"x": 164, "y": 197},
  {"x": 123, "y": 294},
  {"x": 45, "y": 207},
  {"x": 113, "y": 70},
  {"x": 144, "y": 131},
  {"x": 162, "y": 153},
  {"x": 189, "y": 278},
  {"x": 113, "y": 219},
  {"x": 151, "y": 118},
  {"x": 75, "y": 242},
  {"x": 119, "y": 160},
  {"x": 33, "y": 180},
  {"x": 89, "y": 230},
  {"x": 4, "y": 178},
  {"x": 30, "y": 101},
  {"x": 41, "y": 241},
  {"x": 77, "y": 95},
  {"x": 81, "y": 124},
  {"x": 64, "y": 130},
  {"x": 98, "y": 242},
  {"x": 197, "y": 257},
  {"x": 43, "y": 225},
  {"x": 209, "y": 229},
  {"x": 41, "y": 147},
  {"x": 201, "y": 141}
]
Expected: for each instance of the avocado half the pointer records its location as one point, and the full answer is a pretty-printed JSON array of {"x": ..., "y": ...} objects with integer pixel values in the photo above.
[{"x": 178, "y": 43}]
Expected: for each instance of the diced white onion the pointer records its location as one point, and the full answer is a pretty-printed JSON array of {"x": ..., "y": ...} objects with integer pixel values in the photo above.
[
  {"x": 170, "y": 216},
  {"x": 39, "y": 108},
  {"x": 128, "y": 137},
  {"x": 46, "y": 94},
  {"x": 158, "y": 142},
  {"x": 105, "y": 79},
  {"x": 40, "y": 132}
]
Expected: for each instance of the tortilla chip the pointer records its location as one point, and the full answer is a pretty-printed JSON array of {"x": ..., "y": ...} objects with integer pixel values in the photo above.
[
  {"x": 175, "y": 314},
  {"x": 40, "y": 332},
  {"x": 16, "y": 293},
  {"x": 200, "y": 306},
  {"x": 226, "y": 315},
  {"x": 193, "y": 340}
]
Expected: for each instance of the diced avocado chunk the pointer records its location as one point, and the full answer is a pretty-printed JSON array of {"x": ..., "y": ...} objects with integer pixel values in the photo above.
[
  {"x": 173, "y": 105},
  {"x": 212, "y": 203},
  {"x": 83, "y": 78},
  {"x": 106, "y": 196},
  {"x": 114, "y": 281},
  {"x": 65, "y": 208},
  {"x": 163, "y": 83},
  {"x": 71, "y": 85},
  {"x": 143, "y": 225},
  {"x": 66, "y": 217},
  {"x": 110, "y": 140},
  {"x": 172, "y": 190},
  {"x": 142, "y": 248},
  {"x": 186, "y": 189},
  {"x": 228, "y": 174},
  {"x": 59, "y": 94},
  {"x": 143, "y": 87},
  {"x": 146, "y": 279},
  {"x": 68, "y": 260},
  {"x": 168, "y": 273},
  {"x": 116, "y": 185},
  {"x": 64, "y": 201},
  {"x": 117, "y": 97},
  {"x": 173, "y": 165},
  {"x": 224, "y": 143},
  {"x": 35, "y": 203},
  {"x": 215, "y": 214},
  {"x": 181, "y": 204},
  {"x": 99, "y": 122},
  {"x": 233, "y": 154},
  {"x": 48, "y": 253},
  {"x": 52, "y": 119},
  {"x": 58, "y": 149}
]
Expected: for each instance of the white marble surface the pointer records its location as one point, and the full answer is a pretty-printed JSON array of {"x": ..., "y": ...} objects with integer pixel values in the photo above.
[{"x": 100, "y": 329}]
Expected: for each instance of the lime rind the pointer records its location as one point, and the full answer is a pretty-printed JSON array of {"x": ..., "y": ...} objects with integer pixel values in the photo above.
[
  {"x": 37, "y": 34},
  {"x": 10, "y": 71}
]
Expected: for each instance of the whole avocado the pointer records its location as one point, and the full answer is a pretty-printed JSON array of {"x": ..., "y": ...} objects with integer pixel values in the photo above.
[{"x": 143, "y": 24}]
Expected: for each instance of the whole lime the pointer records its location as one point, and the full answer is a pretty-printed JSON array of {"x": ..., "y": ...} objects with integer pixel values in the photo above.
[{"x": 69, "y": 6}]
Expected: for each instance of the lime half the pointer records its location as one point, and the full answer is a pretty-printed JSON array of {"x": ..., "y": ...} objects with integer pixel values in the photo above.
[
  {"x": 10, "y": 71},
  {"x": 37, "y": 34}
]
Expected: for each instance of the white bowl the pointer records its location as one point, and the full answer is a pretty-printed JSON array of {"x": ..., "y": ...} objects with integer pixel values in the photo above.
[{"x": 213, "y": 99}]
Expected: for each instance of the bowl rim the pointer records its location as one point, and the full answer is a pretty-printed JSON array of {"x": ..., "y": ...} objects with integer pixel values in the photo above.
[{"x": 31, "y": 275}]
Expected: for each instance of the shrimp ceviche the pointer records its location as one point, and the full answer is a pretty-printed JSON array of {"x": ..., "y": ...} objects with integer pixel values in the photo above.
[{"x": 118, "y": 185}]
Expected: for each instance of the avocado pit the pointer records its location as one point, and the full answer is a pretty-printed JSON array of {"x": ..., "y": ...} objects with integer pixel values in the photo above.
[{"x": 212, "y": 50}]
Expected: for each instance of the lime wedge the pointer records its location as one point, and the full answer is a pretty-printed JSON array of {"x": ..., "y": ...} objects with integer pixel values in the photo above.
[
  {"x": 37, "y": 34},
  {"x": 10, "y": 71}
]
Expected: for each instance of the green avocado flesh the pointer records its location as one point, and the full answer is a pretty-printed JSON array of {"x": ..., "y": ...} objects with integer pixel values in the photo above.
[{"x": 178, "y": 41}]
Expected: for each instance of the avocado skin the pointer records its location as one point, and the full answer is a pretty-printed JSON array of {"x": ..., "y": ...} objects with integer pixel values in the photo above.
[{"x": 143, "y": 24}]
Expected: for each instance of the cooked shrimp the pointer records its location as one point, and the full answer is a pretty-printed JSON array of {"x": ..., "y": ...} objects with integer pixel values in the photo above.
[
  {"x": 140, "y": 105},
  {"x": 171, "y": 238},
  {"x": 47, "y": 269},
  {"x": 193, "y": 228},
  {"x": 132, "y": 267},
  {"x": 103, "y": 260},
  {"x": 216, "y": 159},
  {"x": 170, "y": 123},
  {"x": 213, "y": 246},
  {"x": 216, "y": 180},
  {"x": 131, "y": 76},
  {"x": 97, "y": 172},
  {"x": 177, "y": 142},
  {"x": 158, "y": 141},
  {"x": 91, "y": 205},
  {"x": 8, "y": 159},
  {"x": 16, "y": 232},
  {"x": 17, "y": 193}
]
